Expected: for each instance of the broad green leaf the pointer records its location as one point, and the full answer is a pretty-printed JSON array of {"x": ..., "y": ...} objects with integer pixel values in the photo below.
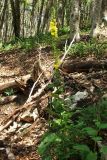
[
  {"x": 51, "y": 138},
  {"x": 103, "y": 149},
  {"x": 91, "y": 131},
  {"x": 96, "y": 139},
  {"x": 91, "y": 156},
  {"x": 103, "y": 126},
  {"x": 81, "y": 147}
]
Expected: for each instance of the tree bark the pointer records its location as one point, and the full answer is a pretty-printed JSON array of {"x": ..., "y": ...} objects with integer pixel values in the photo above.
[
  {"x": 47, "y": 14},
  {"x": 75, "y": 20},
  {"x": 3, "y": 14},
  {"x": 34, "y": 2},
  {"x": 15, "y": 6},
  {"x": 96, "y": 18},
  {"x": 104, "y": 11},
  {"x": 40, "y": 16}
]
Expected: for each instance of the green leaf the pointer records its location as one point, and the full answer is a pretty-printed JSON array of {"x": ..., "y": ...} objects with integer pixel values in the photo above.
[
  {"x": 81, "y": 147},
  {"x": 58, "y": 121},
  {"x": 96, "y": 139},
  {"x": 8, "y": 47},
  {"x": 91, "y": 156},
  {"x": 103, "y": 126},
  {"x": 103, "y": 149},
  {"x": 91, "y": 131},
  {"x": 48, "y": 140},
  {"x": 97, "y": 123}
]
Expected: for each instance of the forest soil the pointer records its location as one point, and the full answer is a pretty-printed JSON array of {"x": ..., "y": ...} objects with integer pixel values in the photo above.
[{"x": 14, "y": 64}]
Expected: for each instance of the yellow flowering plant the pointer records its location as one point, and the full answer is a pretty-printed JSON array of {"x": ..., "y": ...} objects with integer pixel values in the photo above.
[
  {"x": 53, "y": 28},
  {"x": 54, "y": 33}
]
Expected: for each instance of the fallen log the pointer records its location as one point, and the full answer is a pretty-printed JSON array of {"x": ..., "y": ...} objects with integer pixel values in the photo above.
[
  {"x": 83, "y": 66},
  {"x": 15, "y": 83}
]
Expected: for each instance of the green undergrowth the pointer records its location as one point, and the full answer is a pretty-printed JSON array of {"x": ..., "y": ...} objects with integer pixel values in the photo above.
[
  {"x": 92, "y": 47},
  {"x": 73, "y": 134},
  {"x": 82, "y": 48},
  {"x": 39, "y": 40}
]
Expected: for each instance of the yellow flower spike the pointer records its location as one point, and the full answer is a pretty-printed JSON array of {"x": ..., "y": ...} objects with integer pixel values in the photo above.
[{"x": 53, "y": 28}]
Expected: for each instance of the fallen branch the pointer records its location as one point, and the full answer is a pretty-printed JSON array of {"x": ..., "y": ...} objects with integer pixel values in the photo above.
[
  {"x": 33, "y": 88},
  {"x": 16, "y": 113},
  {"x": 67, "y": 50},
  {"x": 15, "y": 83},
  {"x": 8, "y": 99}
]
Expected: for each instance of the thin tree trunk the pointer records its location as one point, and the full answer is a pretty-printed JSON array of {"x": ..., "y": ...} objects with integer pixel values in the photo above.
[
  {"x": 75, "y": 20},
  {"x": 96, "y": 18},
  {"x": 23, "y": 20},
  {"x": 34, "y": 2},
  {"x": 68, "y": 10},
  {"x": 40, "y": 16},
  {"x": 104, "y": 11},
  {"x": 47, "y": 14},
  {"x": 15, "y": 6},
  {"x": 6, "y": 24},
  {"x": 63, "y": 13},
  {"x": 3, "y": 14}
]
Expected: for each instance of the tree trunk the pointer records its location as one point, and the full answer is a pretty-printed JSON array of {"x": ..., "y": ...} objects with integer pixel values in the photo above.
[
  {"x": 75, "y": 20},
  {"x": 23, "y": 19},
  {"x": 15, "y": 6},
  {"x": 6, "y": 23},
  {"x": 96, "y": 18},
  {"x": 63, "y": 13},
  {"x": 104, "y": 11},
  {"x": 47, "y": 14},
  {"x": 40, "y": 16},
  {"x": 3, "y": 14},
  {"x": 34, "y": 2}
]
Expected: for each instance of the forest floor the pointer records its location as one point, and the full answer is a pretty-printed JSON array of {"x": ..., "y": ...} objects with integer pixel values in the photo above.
[
  {"x": 17, "y": 63},
  {"x": 12, "y": 65}
]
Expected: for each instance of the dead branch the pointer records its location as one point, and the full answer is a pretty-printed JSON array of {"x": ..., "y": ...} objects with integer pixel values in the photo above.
[
  {"x": 67, "y": 50},
  {"x": 15, "y": 83},
  {"x": 31, "y": 103},
  {"x": 33, "y": 87},
  {"x": 8, "y": 99}
]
